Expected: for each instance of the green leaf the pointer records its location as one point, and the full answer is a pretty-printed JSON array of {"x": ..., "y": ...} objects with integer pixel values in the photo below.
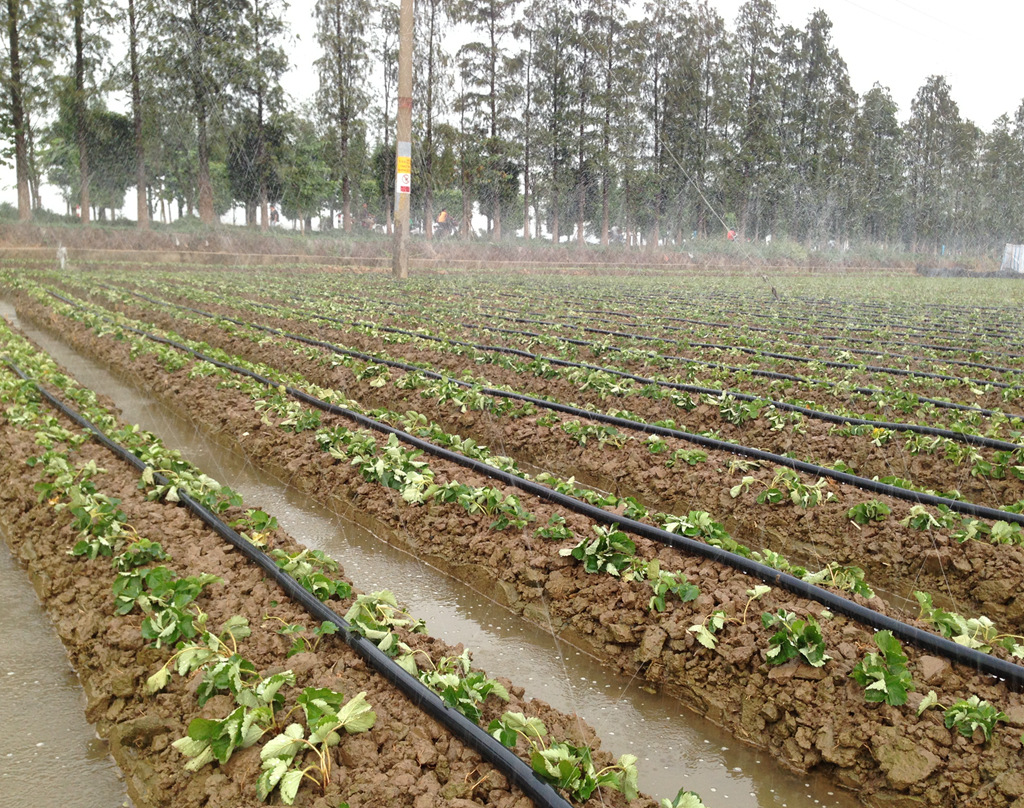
[{"x": 290, "y": 786}]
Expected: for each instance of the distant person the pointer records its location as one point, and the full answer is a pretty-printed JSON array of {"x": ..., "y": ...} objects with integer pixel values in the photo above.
[
  {"x": 442, "y": 222},
  {"x": 731, "y": 235},
  {"x": 274, "y": 218}
]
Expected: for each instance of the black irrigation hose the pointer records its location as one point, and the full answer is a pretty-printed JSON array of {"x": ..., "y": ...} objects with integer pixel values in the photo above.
[
  {"x": 960, "y": 437},
  {"x": 1011, "y": 673},
  {"x": 510, "y": 765}
]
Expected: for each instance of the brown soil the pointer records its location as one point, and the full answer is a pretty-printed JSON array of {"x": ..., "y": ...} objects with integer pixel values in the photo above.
[
  {"x": 406, "y": 759},
  {"x": 808, "y": 718},
  {"x": 977, "y": 576}
]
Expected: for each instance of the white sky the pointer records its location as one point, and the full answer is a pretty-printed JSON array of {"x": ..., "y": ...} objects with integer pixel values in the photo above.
[{"x": 898, "y": 43}]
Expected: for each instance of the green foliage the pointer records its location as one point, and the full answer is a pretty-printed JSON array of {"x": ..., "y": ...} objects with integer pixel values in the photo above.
[
  {"x": 884, "y": 676},
  {"x": 611, "y": 551},
  {"x": 310, "y": 568},
  {"x": 971, "y": 714},
  {"x": 866, "y": 512},
  {"x": 666, "y": 583},
  {"x": 376, "y": 616},
  {"x": 210, "y": 739},
  {"x": 684, "y": 799},
  {"x": 848, "y": 579},
  {"x": 978, "y": 633},
  {"x": 460, "y": 687},
  {"x": 555, "y": 529},
  {"x": 327, "y": 714},
  {"x": 795, "y": 638}
]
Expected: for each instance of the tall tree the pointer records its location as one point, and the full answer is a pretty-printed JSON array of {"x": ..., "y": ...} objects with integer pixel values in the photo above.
[
  {"x": 484, "y": 63},
  {"x": 931, "y": 139},
  {"x": 876, "y": 168},
  {"x": 341, "y": 33},
  {"x": 759, "y": 158},
  {"x": 17, "y": 108},
  {"x": 263, "y": 62},
  {"x": 433, "y": 73},
  {"x": 204, "y": 70}
]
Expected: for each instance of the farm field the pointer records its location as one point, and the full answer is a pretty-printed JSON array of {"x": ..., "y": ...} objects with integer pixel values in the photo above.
[{"x": 796, "y": 509}]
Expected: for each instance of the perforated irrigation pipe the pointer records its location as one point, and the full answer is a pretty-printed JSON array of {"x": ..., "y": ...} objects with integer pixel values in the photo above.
[
  {"x": 960, "y": 437},
  {"x": 511, "y": 766},
  {"x": 985, "y": 663}
]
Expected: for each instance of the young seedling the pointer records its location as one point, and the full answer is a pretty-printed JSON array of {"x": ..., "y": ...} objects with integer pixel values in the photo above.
[
  {"x": 684, "y": 799},
  {"x": 327, "y": 714},
  {"x": 301, "y": 643},
  {"x": 705, "y": 631},
  {"x": 795, "y": 638},
  {"x": 967, "y": 715},
  {"x": 665, "y": 583},
  {"x": 310, "y": 568},
  {"x": 555, "y": 529},
  {"x": 884, "y": 676},
  {"x": 376, "y": 616},
  {"x": 460, "y": 687},
  {"x": 611, "y": 551},
  {"x": 564, "y": 765}
]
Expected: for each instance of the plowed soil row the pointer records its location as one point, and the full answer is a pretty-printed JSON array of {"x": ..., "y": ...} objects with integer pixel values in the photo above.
[
  {"x": 407, "y": 759},
  {"x": 975, "y": 576},
  {"x": 890, "y": 755}
]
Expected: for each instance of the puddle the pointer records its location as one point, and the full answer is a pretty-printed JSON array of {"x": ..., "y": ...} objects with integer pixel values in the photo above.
[
  {"x": 49, "y": 753},
  {"x": 676, "y": 749}
]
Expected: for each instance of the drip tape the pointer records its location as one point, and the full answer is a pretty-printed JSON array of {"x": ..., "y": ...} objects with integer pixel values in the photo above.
[
  {"x": 511, "y": 766},
  {"x": 960, "y": 437},
  {"x": 1007, "y": 671}
]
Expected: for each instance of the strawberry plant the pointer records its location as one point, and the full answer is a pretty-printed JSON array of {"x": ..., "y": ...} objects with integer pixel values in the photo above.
[
  {"x": 689, "y": 456},
  {"x": 795, "y": 638},
  {"x": 138, "y": 554},
  {"x": 705, "y": 630},
  {"x": 305, "y": 639},
  {"x": 225, "y": 669},
  {"x": 866, "y": 512},
  {"x": 848, "y": 579},
  {"x": 884, "y": 676},
  {"x": 611, "y": 551},
  {"x": 555, "y": 529},
  {"x": 310, "y": 568},
  {"x": 460, "y": 687},
  {"x": 979, "y": 632},
  {"x": 665, "y": 583},
  {"x": 376, "y": 616},
  {"x": 210, "y": 739},
  {"x": 565, "y": 765},
  {"x": 684, "y": 799},
  {"x": 327, "y": 714},
  {"x": 967, "y": 715}
]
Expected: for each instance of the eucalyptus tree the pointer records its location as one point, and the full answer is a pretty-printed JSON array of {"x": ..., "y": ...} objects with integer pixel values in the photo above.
[
  {"x": 34, "y": 39},
  {"x": 139, "y": 13},
  {"x": 816, "y": 131},
  {"x": 525, "y": 129},
  {"x": 484, "y": 64},
  {"x": 554, "y": 91},
  {"x": 385, "y": 53},
  {"x": 656, "y": 40},
  {"x": 758, "y": 170},
  {"x": 341, "y": 31},
  {"x": 1002, "y": 177},
  {"x": 200, "y": 61},
  {"x": 699, "y": 88},
  {"x": 261, "y": 63},
  {"x": 931, "y": 146},
  {"x": 433, "y": 73},
  {"x": 876, "y": 175}
]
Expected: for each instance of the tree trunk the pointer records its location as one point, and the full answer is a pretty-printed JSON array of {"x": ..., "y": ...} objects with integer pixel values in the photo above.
[
  {"x": 80, "y": 111},
  {"x": 18, "y": 113},
  {"x": 142, "y": 207}
]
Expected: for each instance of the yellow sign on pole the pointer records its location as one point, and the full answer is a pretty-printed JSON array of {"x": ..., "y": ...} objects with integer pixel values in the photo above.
[{"x": 403, "y": 165}]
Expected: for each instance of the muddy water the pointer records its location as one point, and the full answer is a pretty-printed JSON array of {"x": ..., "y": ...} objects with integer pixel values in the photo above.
[
  {"x": 49, "y": 753},
  {"x": 676, "y": 749}
]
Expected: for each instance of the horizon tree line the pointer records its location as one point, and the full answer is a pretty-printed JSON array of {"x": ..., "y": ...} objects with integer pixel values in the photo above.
[{"x": 574, "y": 120}]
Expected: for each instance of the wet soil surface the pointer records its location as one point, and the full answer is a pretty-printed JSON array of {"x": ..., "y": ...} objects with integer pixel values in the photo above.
[{"x": 809, "y": 718}]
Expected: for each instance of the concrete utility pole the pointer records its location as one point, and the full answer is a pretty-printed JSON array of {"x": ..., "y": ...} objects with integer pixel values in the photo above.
[{"x": 403, "y": 150}]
